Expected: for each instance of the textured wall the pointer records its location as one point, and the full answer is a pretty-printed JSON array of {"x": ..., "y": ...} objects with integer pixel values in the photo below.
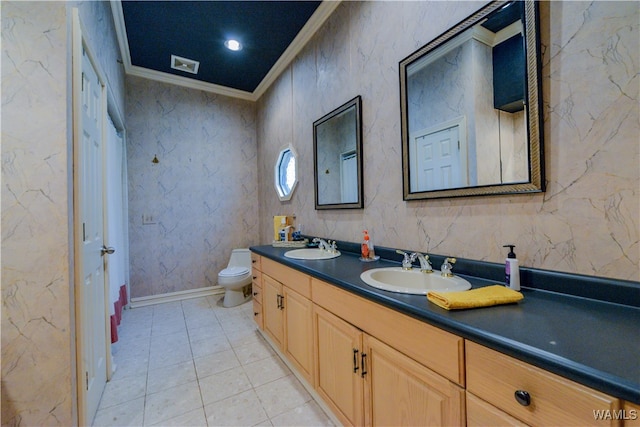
[
  {"x": 586, "y": 222},
  {"x": 203, "y": 191},
  {"x": 38, "y": 342}
]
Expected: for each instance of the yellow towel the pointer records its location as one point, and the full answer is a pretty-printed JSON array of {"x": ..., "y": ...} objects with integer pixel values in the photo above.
[{"x": 481, "y": 297}]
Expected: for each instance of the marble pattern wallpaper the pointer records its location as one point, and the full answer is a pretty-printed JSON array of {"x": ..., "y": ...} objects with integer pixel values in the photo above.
[
  {"x": 38, "y": 342},
  {"x": 202, "y": 195},
  {"x": 587, "y": 221}
]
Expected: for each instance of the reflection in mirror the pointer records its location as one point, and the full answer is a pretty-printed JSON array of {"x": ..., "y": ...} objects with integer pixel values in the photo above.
[
  {"x": 337, "y": 143},
  {"x": 470, "y": 107},
  {"x": 286, "y": 173}
]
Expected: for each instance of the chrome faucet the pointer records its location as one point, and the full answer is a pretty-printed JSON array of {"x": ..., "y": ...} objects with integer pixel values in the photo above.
[
  {"x": 447, "y": 266},
  {"x": 425, "y": 265},
  {"x": 333, "y": 247},
  {"x": 322, "y": 244},
  {"x": 407, "y": 262}
]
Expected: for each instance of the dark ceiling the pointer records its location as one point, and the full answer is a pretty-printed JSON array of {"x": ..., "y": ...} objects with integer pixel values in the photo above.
[{"x": 197, "y": 30}]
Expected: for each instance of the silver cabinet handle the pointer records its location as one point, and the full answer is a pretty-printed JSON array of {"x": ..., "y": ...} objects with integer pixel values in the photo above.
[{"x": 107, "y": 250}]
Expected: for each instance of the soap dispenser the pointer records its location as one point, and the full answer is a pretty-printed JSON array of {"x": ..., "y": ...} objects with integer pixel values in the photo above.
[
  {"x": 365, "y": 246},
  {"x": 512, "y": 269}
]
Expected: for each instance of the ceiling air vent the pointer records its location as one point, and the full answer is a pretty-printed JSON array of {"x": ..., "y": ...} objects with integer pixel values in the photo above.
[{"x": 184, "y": 64}]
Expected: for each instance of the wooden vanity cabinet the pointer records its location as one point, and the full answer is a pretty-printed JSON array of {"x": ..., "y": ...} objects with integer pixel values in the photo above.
[
  {"x": 372, "y": 365},
  {"x": 287, "y": 312},
  {"x": 367, "y": 382}
]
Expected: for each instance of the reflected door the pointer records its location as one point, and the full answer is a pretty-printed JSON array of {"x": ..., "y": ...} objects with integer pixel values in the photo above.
[
  {"x": 438, "y": 160},
  {"x": 349, "y": 177}
]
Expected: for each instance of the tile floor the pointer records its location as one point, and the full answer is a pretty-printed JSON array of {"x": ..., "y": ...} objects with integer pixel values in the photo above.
[{"x": 195, "y": 363}]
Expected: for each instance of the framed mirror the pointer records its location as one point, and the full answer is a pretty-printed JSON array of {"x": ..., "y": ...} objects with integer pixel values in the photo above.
[
  {"x": 286, "y": 173},
  {"x": 337, "y": 148},
  {"x": 471, "y": 107}
]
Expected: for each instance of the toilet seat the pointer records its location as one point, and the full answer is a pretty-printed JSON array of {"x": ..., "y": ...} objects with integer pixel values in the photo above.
[{"x": 233, "y": 272}]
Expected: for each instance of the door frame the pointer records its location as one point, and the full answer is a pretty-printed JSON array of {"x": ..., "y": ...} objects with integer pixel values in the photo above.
[{"x": 78, "y": 45}]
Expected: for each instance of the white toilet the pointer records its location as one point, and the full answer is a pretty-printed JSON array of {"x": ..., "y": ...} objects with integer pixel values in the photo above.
[{"x": 236, "y": 278}]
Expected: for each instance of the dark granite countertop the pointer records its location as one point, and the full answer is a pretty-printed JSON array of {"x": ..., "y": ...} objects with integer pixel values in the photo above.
[{"x": 591, "y": 342}]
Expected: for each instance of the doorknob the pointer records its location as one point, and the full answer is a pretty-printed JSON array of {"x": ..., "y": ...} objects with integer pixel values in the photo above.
[{"x": 107, "y": 250}]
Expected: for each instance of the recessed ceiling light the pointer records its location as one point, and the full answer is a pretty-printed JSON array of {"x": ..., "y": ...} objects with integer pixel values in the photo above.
[{"x": 232, "y": 44}]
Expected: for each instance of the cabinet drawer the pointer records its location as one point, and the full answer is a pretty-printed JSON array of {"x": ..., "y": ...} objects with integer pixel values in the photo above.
[
  {"x": 554, "y": 400},
  {"x": 434, "y": 348},
  {"x": 256, "y": 261},
  {"x": 481, "y": 414},
  {"x": 295, "y": 280},
  {"x": 257, "y": 313}
]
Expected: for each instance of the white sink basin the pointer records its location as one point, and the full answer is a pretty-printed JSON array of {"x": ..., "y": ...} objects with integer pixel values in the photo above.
[
  {"x": 311, "y": 253},
  {"x": 395, "y": 279}
]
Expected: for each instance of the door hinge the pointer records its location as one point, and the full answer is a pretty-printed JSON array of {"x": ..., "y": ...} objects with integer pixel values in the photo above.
[
  {"x": 82, "y": 84},
  {"x": 84, "y": 232},
  {"x": 86, "y": 379}
]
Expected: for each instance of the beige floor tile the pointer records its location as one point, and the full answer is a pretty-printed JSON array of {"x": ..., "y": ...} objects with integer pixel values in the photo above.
[
  {"x": 123, "y": 390},
  {"x": 172, "y": 402},
  {"x": 244, "y": 337},
  {"x": 282, "y": 395},
  {"x": 266, "y": 370},
  {"x": 243, "y": 409},
  {"x": 210, "y": 346},
  {"x": 170, "y": 376},
  {"x": 130, "y": 367},
  {"x": 182, "y": 354},
  {"x": 169, "y": 356},
  {"x": 253, "y": 352},
  {"x": 201, "y": 333},
  {"x": 309, "y": 414},
  {"x": 195, "y": 418},
  {"x": 214, "y": 363},
  {"x": 224, "y": 384},
  {"x": 126, "y": 414}
]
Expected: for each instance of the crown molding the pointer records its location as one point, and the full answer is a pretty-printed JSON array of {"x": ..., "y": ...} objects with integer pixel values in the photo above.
[{"x": 318, "y": 18}]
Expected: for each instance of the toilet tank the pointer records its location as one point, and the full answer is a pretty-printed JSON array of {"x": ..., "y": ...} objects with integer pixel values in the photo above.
[{"x": 240, "y": 258}]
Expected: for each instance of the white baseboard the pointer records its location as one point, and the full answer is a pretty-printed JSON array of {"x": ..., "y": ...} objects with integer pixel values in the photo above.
[
  {"x": 175, "y": 296},
  {"x": 302, "y": 380}
]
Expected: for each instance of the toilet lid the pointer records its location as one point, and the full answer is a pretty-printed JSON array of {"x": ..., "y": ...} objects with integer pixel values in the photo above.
[{"x": 234, "y": 271}]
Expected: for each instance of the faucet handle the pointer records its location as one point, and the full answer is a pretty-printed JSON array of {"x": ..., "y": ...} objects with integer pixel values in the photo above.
[
  {"x": 408, "y": 259},
  {"x": 447, "y": 266}
]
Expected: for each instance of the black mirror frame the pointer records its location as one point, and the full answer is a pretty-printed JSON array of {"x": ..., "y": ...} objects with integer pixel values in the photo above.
[
  {"x": 533, "y": 92},
  {"x": 357, "y": 102}
]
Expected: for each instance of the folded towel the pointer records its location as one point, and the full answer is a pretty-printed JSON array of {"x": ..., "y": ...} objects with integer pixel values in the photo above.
[{"x": 481, "y": 297}]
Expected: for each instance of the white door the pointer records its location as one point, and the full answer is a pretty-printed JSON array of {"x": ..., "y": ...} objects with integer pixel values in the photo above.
[
  {"x": 91, "y": 329},
  {"x": 437, "y": 160}
]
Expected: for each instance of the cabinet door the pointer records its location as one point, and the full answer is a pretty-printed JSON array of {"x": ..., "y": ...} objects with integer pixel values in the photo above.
[
  {"x": 298, "y": 332},
  {"x": 338, "y": 370},
  {"x": 401, "y": 392},
  {"x": 272, "y": 303}
]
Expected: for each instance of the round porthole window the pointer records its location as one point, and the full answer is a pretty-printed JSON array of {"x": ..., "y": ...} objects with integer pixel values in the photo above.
[{"x": 286, "y": 173}]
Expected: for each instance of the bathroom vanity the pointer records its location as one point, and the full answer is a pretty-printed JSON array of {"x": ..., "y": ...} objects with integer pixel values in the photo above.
[{"x": 379, "y": 358}]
